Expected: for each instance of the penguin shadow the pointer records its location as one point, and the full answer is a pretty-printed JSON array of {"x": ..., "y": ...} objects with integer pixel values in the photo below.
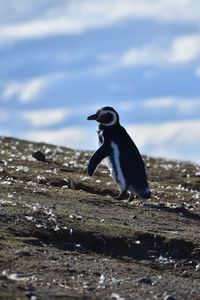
[{"x": 178, "y": 210}]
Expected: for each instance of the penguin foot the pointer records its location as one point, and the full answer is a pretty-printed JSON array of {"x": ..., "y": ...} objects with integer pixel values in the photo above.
[
  {"x": 122, "y": 196},
  {"x": 132, "y": 197}
]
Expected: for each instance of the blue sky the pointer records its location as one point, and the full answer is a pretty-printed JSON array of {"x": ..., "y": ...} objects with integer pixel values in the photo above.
[{"x": 61, "y": 60}]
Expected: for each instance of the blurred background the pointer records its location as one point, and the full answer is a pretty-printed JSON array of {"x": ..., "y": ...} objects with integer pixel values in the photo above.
[{"x": 60, "y": 60}]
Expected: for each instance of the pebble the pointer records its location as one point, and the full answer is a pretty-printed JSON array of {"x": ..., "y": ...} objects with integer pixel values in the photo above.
[
  {"x": 40, "y": 156},
  {"x": 197, "y": 268},
  {"x": 169, "y": 297},
  {"x": 145, "y": 280},
  {"x": 22, "y": 252}
]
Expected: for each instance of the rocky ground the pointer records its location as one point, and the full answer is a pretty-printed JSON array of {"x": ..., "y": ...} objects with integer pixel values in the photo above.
[{"x": 64, "y": 236}]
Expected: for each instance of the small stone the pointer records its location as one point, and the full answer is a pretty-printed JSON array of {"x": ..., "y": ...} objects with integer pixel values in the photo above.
[
  {"x": 197, "y": 268},
  {"x": 30, "y": 295},
  {"x": 65, "y": 187},
  {"x": 162, "y": 205},
  {"x": 40, "y": 156},
  {"x": 137, "y": 242},
  {"x": 58, "y": 183},
  {"x": 23, "y": 252},
  {"x": 169, "y": 297},
  {"x": 126, "y": 223},
  {"x": 145, "y": 280}
]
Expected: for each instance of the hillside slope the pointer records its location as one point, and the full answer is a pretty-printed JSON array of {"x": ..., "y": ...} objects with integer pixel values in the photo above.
[{"x": 64, "y": 236}]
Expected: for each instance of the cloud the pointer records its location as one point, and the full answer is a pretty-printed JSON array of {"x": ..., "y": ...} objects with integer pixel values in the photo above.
[
  {"x": 182, "y": 50},
  {"x": 24, "y": 91},
  {"x": 198, "y": 72},
  {"x": 189, "y": 105},
  {"x": 28, "y": 90},
  {"x": 159, "y": 102},
  {"x": 147, "y": 54},
  {"x": 40, "y": 29},
  {"x": 171, "y": 139},
  {"x": 185, "y": 49},
  {"x": 75, "y": 137},
  {"x": 125, "y": 106},
  {"x": 46, "y": 117},
  {"x": 75, "y": 17}
]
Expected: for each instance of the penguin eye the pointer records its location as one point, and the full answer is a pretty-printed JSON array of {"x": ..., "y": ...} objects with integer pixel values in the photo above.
[{"x": 107, "y": 117}]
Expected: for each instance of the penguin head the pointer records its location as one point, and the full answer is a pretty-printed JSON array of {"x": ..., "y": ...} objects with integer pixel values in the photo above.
[{"x": 106, "y": 116}]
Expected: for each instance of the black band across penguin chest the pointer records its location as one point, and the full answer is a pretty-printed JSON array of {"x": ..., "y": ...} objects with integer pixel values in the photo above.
[{"x": 100, "y": 136}]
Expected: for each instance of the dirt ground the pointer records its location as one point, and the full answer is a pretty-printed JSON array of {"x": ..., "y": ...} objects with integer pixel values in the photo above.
[{"x": 63, "y": 235}]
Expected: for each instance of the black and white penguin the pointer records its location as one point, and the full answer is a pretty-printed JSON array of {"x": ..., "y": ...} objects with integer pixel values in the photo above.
[{"x": 122, "y": 156}]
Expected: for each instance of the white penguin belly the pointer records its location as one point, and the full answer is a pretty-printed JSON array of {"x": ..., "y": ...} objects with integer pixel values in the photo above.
[{"x": 114, "y": 166}]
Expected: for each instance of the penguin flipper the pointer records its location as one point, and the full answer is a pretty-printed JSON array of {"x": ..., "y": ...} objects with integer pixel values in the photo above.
[{"x": 96, "y": 158}]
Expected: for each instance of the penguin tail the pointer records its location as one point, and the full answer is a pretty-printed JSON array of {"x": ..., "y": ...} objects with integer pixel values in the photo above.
[{"x": 145, "y": 194}]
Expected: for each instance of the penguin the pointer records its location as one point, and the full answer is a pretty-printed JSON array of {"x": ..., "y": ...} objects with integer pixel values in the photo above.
[{"x": 121, "y": 155}]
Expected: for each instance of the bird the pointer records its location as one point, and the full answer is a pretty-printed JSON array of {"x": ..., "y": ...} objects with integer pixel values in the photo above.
[{"x": 121, "y": 155}]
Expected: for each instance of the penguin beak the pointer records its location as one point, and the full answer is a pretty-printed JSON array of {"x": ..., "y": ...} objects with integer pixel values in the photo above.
[{"x": 93, "y": 117}]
